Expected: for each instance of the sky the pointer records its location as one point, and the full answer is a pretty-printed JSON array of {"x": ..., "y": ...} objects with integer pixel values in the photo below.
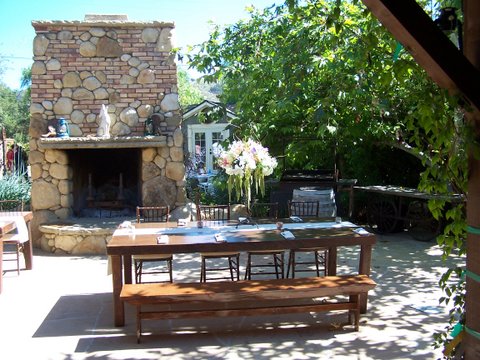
[{"x": 191, "y": 18}]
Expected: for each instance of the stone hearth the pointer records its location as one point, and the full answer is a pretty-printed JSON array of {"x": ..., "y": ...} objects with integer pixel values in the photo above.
[{"x": 83, "y": 236}]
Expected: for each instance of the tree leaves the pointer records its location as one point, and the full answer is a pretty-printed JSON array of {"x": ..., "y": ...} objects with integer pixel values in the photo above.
[{"x": 328, "y": 70}]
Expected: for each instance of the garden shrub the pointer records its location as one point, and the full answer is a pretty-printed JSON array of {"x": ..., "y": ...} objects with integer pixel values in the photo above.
[{"x": 15, "y": 187}]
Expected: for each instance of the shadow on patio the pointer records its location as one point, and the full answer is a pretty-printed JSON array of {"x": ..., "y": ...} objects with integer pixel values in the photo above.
[{"x": 67, "y": 314}]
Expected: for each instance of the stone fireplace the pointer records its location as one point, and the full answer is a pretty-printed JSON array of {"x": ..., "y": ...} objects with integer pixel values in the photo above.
[{"x": 78, "y": 67}]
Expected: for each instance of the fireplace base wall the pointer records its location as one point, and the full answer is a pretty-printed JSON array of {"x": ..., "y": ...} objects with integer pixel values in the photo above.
[
  {"x": 84, "y": 236},
  {"x": 160, "y": 179}
]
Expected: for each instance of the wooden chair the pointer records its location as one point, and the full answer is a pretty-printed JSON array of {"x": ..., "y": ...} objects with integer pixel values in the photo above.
[
  {"x": 13, "y": 209},
  {"x": 264, "y": 211},
  {"x": 152, "y": 214},
  {"x": 306, "y": 209},
  {"x": 217, "y": 213},
  {"x": 303, "y": 209}
]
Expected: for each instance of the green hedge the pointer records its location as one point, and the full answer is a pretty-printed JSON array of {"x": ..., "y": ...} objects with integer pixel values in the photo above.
[{"x": 15, "y": 187}]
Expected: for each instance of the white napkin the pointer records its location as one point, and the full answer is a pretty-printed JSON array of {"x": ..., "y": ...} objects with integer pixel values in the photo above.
[
  {"x": 287, "y": 234},
  {"x": 125, "y": 225},
  {"x": 220, "y": 238},
  {"x": 182, "y": 222},
  {"x": 361, "y": 231},
  {"x": 162, "y": 239}
]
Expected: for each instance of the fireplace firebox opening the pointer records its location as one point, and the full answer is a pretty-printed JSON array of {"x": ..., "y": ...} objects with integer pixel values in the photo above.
[{"x": 105, "y": 182}]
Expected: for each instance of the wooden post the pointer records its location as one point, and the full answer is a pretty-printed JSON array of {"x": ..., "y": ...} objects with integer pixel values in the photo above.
[
  {"x": 450, "y": 70},
  {"x": 472, "y": 301}
]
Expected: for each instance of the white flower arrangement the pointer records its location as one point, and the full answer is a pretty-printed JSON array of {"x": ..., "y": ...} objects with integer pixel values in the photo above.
[{"x": 245, "y": 162}]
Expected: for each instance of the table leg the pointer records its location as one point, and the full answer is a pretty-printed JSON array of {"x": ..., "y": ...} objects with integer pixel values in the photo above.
[
  {"x": 364, "y": 268},
  {"x": 1, "y": 262},
  {"x": 365, "y": 259},
  {"x": 28, "y": 249},
  {"x": 118, "y": 306},
  {"x": 127, "y": 269},
  {"x": 332, "y": 261}
]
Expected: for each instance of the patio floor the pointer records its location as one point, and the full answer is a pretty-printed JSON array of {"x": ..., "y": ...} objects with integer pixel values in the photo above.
[{"x": 63, "y": 310}]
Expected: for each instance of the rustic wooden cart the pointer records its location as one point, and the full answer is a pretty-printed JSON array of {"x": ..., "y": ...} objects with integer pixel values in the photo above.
[{"x": 393, "y": 208}]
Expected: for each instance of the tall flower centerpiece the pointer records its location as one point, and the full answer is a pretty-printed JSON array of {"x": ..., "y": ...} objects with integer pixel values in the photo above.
[{"x": 246, "y": 163}]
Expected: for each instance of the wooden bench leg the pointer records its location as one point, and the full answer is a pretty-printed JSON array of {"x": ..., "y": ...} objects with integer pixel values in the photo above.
[
  {"x": 19, "y": 247},
  {"x": 248, "y": 270},
  {"x": 316, "y": 264},
  {"x": 203, "y": 274},
  {"x": 356, "y": 313},
  {"x": 291, "y": 264},
  {"x": 139, "y": 324},
  {"x": 278, "y": 260}
]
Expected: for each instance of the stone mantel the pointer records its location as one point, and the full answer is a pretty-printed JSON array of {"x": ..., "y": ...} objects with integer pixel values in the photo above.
[{"x": 91, "y": 142}]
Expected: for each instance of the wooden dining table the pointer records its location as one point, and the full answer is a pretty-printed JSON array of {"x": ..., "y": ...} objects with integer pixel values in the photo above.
[
  {"x": 7, "y": 224},
  {"x": 27, "y": 247},
  {"x": 146, "y": 238}
]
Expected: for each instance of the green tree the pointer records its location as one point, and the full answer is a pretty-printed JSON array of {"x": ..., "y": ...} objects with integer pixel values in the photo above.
[
  {"x": 188, "y": 92},
  {"x": 15, "y": 110},
  {"x": 321, "y": 70}
]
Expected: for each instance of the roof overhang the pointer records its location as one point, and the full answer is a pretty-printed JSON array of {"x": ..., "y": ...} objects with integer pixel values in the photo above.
[{"x": 204, "y": 105}]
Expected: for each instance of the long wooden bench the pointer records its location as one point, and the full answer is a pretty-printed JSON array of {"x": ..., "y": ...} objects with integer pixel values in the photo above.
[{"x": 249, "y": 297}]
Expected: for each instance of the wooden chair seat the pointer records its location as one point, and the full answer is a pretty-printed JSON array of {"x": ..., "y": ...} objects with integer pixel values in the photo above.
[
  {"x": 153, "y": 257},
  {"x": 218, "y": 254},
  {"x": 266, "y": 252}
]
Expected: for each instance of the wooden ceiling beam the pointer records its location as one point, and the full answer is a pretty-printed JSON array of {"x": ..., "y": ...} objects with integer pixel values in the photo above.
[{"x": 432, "y": 49}]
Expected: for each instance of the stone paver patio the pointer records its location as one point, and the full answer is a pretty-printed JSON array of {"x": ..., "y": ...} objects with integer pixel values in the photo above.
[{"x": 63, "y": 310}]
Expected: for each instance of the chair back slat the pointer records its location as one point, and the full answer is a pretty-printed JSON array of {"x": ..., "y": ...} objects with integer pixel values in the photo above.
[
  {"x": 213, "y": 212},
  {"x": 153, "y": 214},
  {"x": 303, "y": 208},
  {"x": 264, "y": 210}
]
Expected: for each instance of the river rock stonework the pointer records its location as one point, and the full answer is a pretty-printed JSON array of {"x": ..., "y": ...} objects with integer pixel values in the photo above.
[{"x": 78, "y": 67}]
